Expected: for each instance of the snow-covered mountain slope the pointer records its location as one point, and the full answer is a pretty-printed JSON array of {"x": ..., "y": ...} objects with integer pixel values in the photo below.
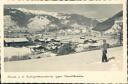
[
  {"x": 38, "y": 24},
  {"x": 8, "y": 21},
  {"x": 36, "y": 12},
  {"x": 34, "y": 19},
  {"x": 107, "y": 24}
]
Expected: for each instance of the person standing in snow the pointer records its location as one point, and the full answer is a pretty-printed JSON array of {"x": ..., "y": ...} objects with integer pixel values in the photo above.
[{"x": 104, "y": 47}]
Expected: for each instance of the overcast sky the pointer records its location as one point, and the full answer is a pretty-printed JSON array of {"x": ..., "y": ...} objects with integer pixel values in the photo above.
[{"x": 90, "y": 10}]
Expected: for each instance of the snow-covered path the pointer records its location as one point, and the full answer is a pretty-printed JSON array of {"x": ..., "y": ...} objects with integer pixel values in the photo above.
[{"x": 84, "y": 61}]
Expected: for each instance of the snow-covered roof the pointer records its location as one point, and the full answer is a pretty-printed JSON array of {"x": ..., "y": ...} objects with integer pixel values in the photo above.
[
  {"x": 15, "y": 39},
  {"x": 41, "y": 39}
]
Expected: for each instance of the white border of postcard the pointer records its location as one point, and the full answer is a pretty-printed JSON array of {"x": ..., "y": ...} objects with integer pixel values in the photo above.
[{"x": 88, "y": 77}]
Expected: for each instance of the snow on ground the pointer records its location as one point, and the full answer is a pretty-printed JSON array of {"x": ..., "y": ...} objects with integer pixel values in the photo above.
[
  {"x": 11, "y": 51},
  {"x": 84, "y": 61}
]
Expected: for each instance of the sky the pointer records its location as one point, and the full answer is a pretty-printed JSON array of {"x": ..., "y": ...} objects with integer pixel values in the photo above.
[{"x": 98, "y": 11}]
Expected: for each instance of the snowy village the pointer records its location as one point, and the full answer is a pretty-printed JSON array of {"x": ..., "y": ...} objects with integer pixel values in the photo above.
[{"x": 52, "y": 39}]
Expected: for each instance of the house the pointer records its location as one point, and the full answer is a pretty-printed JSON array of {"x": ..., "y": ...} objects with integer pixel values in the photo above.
[{"x": 16, "y": 42}]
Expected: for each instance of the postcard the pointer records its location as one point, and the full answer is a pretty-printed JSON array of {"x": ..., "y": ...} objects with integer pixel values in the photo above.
[{"x": 64, "y": 41}]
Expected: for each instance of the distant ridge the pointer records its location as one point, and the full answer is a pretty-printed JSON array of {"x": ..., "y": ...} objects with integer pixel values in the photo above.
[{"x": 107, "y": 24}]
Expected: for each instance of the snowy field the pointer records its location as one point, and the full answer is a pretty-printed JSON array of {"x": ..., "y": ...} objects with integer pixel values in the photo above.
[
  {"x": 12, "y": 51},
  {"x": 84, "y": 61}
]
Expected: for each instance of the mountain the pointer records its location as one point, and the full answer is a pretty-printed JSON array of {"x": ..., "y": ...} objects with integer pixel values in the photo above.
[
  {"x": 36, "y": 20},
  {"x": 18, "y": 16},
  {"x": 79, "y": 19},
  {"x": 107, "y": 24}
]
